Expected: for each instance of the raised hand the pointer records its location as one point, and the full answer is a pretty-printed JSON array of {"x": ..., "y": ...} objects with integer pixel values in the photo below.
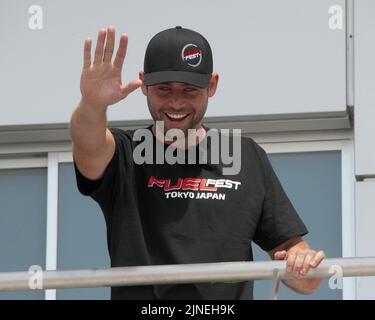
[{"x": 100, "y": 83}]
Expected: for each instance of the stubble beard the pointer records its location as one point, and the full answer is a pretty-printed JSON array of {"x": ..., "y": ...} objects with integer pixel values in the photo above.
[{"x": 195, "y": 121}]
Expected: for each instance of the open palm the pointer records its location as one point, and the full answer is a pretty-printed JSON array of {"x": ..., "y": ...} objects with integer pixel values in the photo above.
[{"x": 101, "y": 83}]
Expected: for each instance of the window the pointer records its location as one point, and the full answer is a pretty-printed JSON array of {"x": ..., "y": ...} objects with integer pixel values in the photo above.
[
  {"x": 313, "y": 183},
  {"x": 23, "y": 199}
]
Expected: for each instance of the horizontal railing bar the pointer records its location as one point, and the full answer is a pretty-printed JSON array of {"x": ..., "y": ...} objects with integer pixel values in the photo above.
[{"x": 179, "y": 273}]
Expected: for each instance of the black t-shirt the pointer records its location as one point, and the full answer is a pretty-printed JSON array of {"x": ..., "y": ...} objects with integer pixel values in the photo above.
[{"x": 189, "y": 213}]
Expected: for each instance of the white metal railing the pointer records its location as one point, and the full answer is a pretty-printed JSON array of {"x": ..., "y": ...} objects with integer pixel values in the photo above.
[{"x": 183, "y": 273}]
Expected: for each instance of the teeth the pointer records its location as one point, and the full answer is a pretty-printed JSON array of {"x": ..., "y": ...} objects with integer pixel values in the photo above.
[{"x": 176, "y": 116}]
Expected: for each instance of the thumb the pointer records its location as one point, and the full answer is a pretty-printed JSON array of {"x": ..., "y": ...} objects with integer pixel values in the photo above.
[
  {"x": 130, "y": 87},
  {"x": 280, "y": 255}
]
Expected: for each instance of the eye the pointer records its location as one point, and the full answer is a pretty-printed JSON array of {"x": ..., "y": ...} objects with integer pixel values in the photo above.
[
  {"x": 163, "y": 89},
  {"x": 190, "y": 89}
]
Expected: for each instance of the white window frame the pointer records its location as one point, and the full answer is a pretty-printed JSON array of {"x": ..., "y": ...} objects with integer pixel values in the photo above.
[
  {"x": 344, "y": 145},
  {"x": 51, "y": 218},
  {"x": 347, "y": 192}
]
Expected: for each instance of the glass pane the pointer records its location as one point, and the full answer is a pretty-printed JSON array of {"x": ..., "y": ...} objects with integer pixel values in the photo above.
[
  {"x": 82, "y": 242},
  {"x": 23, "y": 199},
  {"x": 311, "y": 180},
  {"x": 313, "y": 184}
]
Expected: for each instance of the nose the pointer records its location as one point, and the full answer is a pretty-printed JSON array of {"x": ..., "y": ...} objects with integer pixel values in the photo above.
[{"x": 176, "y": 100}]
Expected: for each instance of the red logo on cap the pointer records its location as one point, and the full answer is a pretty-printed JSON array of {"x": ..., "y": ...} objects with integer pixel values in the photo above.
[{"x": 191, "y": 55}]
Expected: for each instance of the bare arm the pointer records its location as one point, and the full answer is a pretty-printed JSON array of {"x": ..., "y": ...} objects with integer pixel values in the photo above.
[
  {"x": 93, "y": 143},
  {"x": 101, "y": 86}
]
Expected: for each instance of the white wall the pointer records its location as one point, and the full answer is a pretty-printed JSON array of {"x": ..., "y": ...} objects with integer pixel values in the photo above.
[
  {"x": 364, "y": 86},
  {"x": 364, "y": 132},
  {"x": 274, "y": 57}
]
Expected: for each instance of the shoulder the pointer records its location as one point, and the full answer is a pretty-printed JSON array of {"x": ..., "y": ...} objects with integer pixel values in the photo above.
[
  {"x": 125, "y": 137},
  {"x": 248, "y": 144},
  {"x": 253, "y": 146},
  {"x": 121, "y": 133}
]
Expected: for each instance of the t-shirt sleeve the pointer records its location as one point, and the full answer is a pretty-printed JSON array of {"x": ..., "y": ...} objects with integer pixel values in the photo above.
[
  {"x": 103, "y": 190},
  {"x": 279, "y": 220}
]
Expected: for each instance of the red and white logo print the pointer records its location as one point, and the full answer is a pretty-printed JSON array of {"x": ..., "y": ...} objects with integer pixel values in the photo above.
[
  {"x": 191, "y": 55},
  {"x": 193, "y": 188}
]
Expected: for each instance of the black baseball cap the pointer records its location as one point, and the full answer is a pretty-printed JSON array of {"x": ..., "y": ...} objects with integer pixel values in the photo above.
[{"x": 178, "y": 55}]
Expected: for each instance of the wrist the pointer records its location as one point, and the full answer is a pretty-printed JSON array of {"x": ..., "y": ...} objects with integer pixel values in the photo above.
[{"x": 87, "y": 105}]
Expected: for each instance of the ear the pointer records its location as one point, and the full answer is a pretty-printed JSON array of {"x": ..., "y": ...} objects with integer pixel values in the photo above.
[
  {"x": 143, "y": 86},
  {"x": 213, "y": 84}
]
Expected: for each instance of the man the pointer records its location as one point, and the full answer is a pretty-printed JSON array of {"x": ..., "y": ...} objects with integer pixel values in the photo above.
[{"x": 145, "y": 224}]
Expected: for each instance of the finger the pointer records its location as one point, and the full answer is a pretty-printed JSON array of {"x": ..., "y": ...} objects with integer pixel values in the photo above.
[
  {"x": 130, "y": 87},
  {"x": 306, "y": 263},
  {"x": 280, "y": 255},
  {"x": 320, "y": 255},
  {"x": 110, "y": 44},
  {"x": 87, "y": 53},
  {"x": 291, "y": 258},
  {"x": 121, "y": 52},
  {"x": 99, "y": 47},
  {"x": 298, "y": 263}
]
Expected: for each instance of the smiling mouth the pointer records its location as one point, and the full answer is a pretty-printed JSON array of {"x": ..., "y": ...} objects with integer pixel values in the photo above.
[{"x": 177, "y": 116}]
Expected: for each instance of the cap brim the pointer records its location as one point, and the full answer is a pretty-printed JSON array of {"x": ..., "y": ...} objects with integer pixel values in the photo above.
[{"x": 197, "y": 79}]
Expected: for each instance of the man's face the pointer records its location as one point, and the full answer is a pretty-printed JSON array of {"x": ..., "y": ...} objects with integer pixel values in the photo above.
[{"x": 179, "y": 105}]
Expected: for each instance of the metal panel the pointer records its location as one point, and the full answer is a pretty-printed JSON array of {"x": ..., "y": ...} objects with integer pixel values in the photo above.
[
  {"x": 364, "y": 87},
  {"x": 248, "y": 124},
  {"x": 274, "y": 57}
]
